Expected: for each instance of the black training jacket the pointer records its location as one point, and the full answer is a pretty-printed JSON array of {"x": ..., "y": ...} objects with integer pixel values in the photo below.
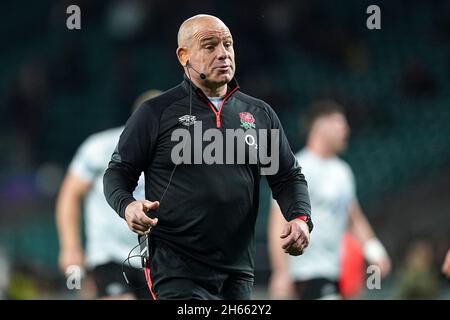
[{"x": 209, "y": 210}]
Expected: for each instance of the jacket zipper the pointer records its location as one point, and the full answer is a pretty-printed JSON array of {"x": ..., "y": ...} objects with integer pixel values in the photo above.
[{"x": 217, "y": 113}]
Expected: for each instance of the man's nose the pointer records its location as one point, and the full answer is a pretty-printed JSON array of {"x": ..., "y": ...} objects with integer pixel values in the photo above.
[{"x": 223, "y": 53}]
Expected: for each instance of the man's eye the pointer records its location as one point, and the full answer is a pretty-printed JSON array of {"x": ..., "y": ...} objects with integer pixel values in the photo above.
[
  {"x": 227, "y": 44},
  {"x": 209, "y": 47}
]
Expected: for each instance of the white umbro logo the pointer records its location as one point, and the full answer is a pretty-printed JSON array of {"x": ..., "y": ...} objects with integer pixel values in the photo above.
[{"x": 187, "y": 120}]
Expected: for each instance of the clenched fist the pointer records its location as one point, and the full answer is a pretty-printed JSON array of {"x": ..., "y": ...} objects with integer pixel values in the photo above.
[{"x": 295, "y": 237}]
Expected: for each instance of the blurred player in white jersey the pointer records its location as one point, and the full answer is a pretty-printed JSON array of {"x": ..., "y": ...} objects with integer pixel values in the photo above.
[
  {"x": 315, "y": 274},
  {"x": 108, "y": 238}
]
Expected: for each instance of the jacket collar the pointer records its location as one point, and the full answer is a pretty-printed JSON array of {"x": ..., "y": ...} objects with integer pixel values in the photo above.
[{"x": 233, "y": 86}]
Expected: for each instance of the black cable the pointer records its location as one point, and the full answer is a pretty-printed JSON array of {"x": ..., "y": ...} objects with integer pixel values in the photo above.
[
  {"x": 145, "y": 237},
  {"x": 179, "y": 156}
]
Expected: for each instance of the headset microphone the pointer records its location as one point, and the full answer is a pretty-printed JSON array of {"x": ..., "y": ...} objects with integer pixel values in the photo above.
[{"x": 201, "y": 74}]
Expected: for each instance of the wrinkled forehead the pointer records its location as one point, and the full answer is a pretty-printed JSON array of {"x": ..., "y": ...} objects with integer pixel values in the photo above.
[{"x": 211, "y": 33}]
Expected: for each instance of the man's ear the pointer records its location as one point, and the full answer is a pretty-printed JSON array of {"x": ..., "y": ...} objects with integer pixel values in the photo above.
[{"x": 182, "y": 54}]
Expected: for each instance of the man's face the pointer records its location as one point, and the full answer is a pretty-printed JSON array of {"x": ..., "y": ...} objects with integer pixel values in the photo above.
[
  {"x": 211, "y": 52},
  {"x": 335, "y": 130}
]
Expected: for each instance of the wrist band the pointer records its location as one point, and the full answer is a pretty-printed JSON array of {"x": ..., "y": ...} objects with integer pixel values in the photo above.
[{"x": 308, "y": 221}]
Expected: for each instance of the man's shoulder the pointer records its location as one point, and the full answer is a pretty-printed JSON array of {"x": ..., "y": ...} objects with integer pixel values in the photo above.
[{"x": 252, "y": 100}]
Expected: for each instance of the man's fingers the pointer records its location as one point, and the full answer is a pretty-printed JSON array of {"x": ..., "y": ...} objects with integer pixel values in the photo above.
[
  {"x": 144, "y": 220},
  {"x": 141, "y": 233},
  {"x": 296, "y": 242},
  {"x": 149, "y": 205},
  {"x": 290, "y": 240},
  {"x": 300, "y": 236},
  {"x": 293, "y": 237},
  {"x": 138, "y": 228},
  {"x": 295, "y": 249},
  {"x": 305, "y": 243},
  {"x": 286, "y": 230},
  {"x": 149, "y": 222},
  {"x": 303, "y": 239}
]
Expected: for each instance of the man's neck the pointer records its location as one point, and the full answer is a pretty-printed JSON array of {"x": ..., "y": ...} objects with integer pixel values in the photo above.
[
  {"x": 319, "y": 148},
  {"x": 219, "y": 91}
]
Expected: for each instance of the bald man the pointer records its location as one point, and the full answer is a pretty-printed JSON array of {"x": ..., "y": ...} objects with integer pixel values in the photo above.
[{"x": 202, "y": 199}]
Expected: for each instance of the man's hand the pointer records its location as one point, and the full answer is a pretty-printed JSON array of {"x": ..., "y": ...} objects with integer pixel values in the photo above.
[
  {"x": 295, "y": 237},
  {"x": 385, "y": 267},
  {"x": 136, "y": 218},
  {"x": 375, "y": 254},
  {"x": 71, "y": 257}
]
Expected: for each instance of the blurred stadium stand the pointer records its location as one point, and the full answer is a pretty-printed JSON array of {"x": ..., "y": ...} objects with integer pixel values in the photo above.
[{"x": 58, "y": 86}]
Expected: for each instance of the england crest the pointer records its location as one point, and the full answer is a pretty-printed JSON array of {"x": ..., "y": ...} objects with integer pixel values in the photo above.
[{"x": 247, "y": 120}]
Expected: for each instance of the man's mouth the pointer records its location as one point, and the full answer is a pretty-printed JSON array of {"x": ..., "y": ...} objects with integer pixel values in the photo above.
[{"x": 223, "y": 68}]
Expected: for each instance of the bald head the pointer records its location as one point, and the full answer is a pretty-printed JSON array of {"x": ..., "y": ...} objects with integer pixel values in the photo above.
[
  {"x": 205, "y": 45},
  {"x": 190, "y": 28}
]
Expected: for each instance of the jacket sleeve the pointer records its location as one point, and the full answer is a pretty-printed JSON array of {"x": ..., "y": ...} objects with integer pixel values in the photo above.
[
  {"x": 131, "y": 156},
  {"x": 288, "y": 184}
]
